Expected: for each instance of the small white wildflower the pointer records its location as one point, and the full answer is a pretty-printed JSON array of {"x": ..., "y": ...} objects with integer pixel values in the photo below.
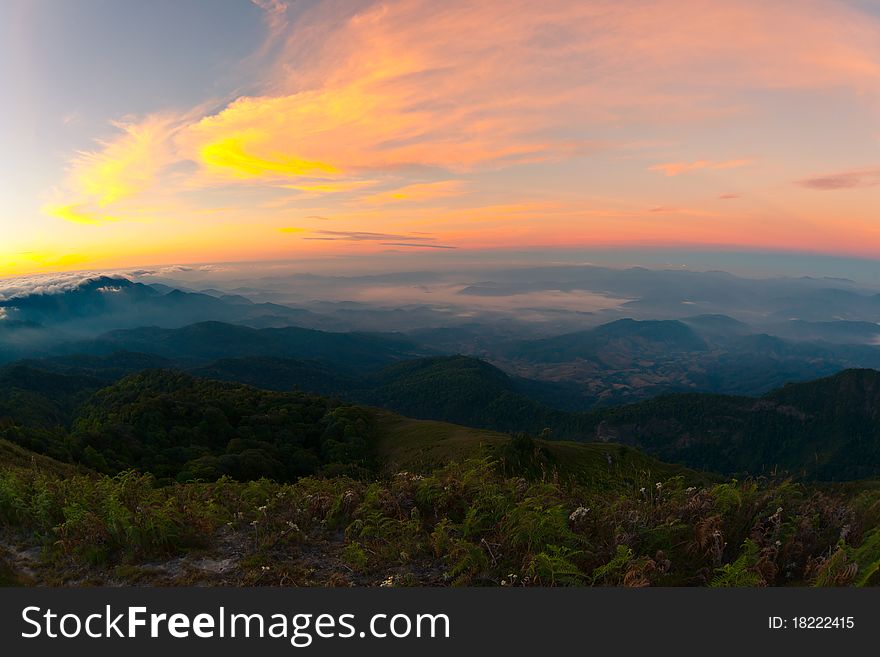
[{"x": 578, "y": 514}]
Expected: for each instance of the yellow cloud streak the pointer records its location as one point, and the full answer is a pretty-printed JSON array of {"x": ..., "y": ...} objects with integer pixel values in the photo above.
[
  {"x": 231, "y": 155},
  {"x": 77, "y": 213}
]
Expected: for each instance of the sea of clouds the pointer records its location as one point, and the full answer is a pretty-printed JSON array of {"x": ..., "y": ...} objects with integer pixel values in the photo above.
[{"x": 11, "y": 288}]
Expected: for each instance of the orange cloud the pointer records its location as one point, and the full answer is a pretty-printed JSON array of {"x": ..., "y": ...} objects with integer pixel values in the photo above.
[
  {"x": 396, "y": 85},
  {"x": 678, "y": 168},
  {"x": 394, "y": 93}
]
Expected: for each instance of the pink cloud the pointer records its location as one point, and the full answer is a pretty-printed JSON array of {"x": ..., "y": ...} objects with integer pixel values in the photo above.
[{"x": 854, "y": 179}]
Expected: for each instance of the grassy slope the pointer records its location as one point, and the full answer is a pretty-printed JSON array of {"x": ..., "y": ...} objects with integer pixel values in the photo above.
[
  {"x": 423, "y": 445},
  {"x": 14, "y": 457}
]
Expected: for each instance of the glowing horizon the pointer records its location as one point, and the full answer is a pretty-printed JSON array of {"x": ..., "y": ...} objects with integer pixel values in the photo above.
[{"x": 238, "y": 131}]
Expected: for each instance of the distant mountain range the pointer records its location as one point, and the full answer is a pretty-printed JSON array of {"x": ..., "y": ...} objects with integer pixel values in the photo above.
[
  {"x": 622, "y": 361},
  {"x": 617, "y": 343},
  {"x": 104, "y": 303},
  {"x": 212, "y": 340},
  {"x": 675, "y": 293}
]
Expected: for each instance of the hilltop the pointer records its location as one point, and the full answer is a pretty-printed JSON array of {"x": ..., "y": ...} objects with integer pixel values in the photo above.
[{"x": 826, "y": 429}]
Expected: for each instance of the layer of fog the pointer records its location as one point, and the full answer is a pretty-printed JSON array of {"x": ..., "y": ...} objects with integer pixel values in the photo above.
[{"x": 511, "y": 292}]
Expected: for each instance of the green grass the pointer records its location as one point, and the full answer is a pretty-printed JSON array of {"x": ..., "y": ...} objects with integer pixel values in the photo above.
[
  {"x": 420, "y": 446},
  {"x": 423, "y": 445},
  {"x": 13, "y": 457}
]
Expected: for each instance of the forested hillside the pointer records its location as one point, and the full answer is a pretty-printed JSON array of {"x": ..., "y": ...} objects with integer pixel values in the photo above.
[{"x": 165, "y": 478}]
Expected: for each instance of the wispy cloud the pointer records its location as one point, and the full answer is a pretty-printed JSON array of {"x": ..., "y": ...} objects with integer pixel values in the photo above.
[
  {"x": 853, "y": 179},
  {"x": 679, "y": 168},
  {"x": 168, "y": 270},
  {"x": 275, "y": 16},
  {"x": 334, "y": 187},
  {"x": 359, "y": 236},
  {"x": 419, "y": 246},
  {"x": 397, "y": 85},
  {"x": 417, "y": 192},
  {"x": 120, "y": 169},
  {"x": 79, "y": 213},
  {"x": 276, "y": 13},
  {"x": 365, "y": 108}
]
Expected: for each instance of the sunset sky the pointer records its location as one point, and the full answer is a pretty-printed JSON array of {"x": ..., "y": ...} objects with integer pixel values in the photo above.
[{"x": 219, "y": 130}]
